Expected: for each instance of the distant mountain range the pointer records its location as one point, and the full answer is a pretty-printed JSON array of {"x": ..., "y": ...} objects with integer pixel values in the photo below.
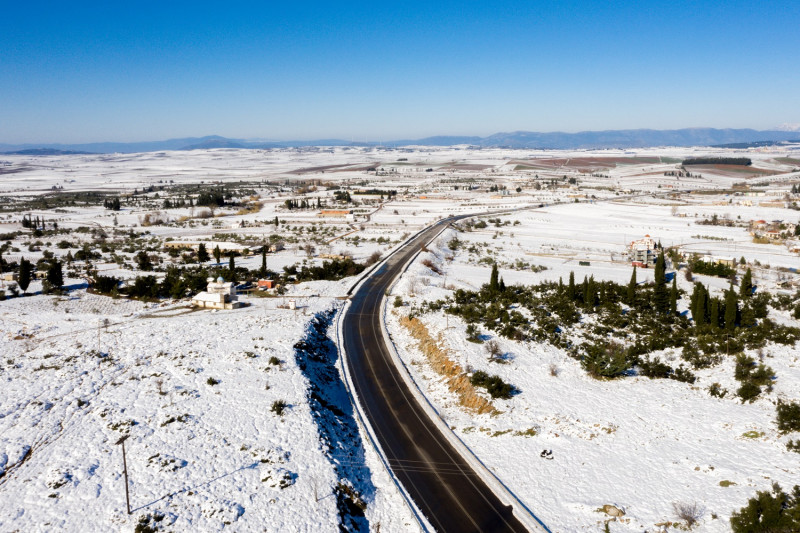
[{"x": 518, "y": 139}]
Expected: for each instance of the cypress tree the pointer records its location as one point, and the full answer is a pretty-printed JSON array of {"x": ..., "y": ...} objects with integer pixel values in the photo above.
[
  {"x": 693, "y": 299},
  {"x": 581, "y": 294},
  {"x": 502, "y": 285},
  {"x": 217, "y": 253},
  {"x": 232, "y": 267},
  {"x": 263, "y": 261},
  {"x": 571, "y": 286},
  {"x": 748, "y": 317},
  {"x": 731, "y": 308},
  {"x": 494, "y": 279},
  {"x": 700, "y": 305},
  {"x": 631, "y": 293},
  {"x": 55, "y": 276},
  {"x": 746, "y": 287},
  {"x": 202, "y": 253},
  {"x": 673, "y": 296},
  {"x": 714, "y": 313},
  {"x": 25, "y": 270},
  {"x": 705, "y": 306},
  {"x": 660, "y": 296},
  {"x": 589, "y": 292}
]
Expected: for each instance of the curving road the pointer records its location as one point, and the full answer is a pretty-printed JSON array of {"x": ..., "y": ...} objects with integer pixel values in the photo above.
[{"x": 445, "y": 488}]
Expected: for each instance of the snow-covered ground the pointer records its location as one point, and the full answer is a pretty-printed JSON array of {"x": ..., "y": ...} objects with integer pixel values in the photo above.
[
  {"x": 641, "y": 445},
  {"x": 194, "y": 390},
  {"x": 79, "y": 371}
]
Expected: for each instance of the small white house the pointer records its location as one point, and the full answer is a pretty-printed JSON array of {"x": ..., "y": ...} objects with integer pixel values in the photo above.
[{"x": 218, "y": 295}]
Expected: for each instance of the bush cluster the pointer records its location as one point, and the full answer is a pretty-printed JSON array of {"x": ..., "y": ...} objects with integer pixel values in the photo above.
[{"x": 494, "y": 385}]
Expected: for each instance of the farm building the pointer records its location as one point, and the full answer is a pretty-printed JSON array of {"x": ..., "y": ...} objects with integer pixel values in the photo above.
[
  {"x": 264, "y": 284},
  {"x": 346, "y": 214},
  {"x": 218, "y": 295}
]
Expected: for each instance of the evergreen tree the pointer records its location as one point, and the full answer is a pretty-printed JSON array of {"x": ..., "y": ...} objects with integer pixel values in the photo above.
[
  {"x": 673, "y": 296},
  {"x": 55, "y": 275},
  {"x": 143, "y": 261},
  {"x": 571, "y": 286},
  {"x": 731, "y": 308},
  {"x": 276, "y": 221},
  {"x": 700, "y": 305},
  {"x": 217, "y": 253},
  {"x": 25, "y": 271},
  {"x": 589, "y": 292},
  {"x": 769, "y": 512},
  {"x": 202, "y": 253},
  {"x": 660, "y": 296},
  {"x": 748, "y": 316},
  {"x": 502, "y": 285},
  {"x": 494, "y": 281},
  {"x": 746, "y": 286},
  {"x": 715, "y": 314},
  {"x": 263, "y": 271},
  {"x": 232, "y": 267},
  {"x": 631, "y": 293}
]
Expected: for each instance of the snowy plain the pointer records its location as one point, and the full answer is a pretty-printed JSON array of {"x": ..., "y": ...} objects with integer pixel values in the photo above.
[{"x": 79, "y": 371}]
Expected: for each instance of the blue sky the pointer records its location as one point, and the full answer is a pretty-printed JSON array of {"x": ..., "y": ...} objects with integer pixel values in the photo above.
[{"x": 107, "y": 71}]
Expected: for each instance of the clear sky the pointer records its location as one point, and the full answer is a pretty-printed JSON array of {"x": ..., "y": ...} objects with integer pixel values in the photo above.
[{"x": 114, "y": 71}]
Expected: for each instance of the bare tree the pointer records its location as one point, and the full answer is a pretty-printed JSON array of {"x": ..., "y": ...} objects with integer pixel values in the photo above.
[
  {"x": 689, "y": 512},
  {"x": 493, "y": 349}
]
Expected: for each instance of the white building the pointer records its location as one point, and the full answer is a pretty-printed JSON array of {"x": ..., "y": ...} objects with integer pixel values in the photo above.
[
  {"x": 218, "y": 295},
  {"x": 643, "y": 252}
]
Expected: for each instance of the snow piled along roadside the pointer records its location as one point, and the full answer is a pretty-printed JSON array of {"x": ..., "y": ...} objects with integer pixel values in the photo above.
[{"x": 194, "y": 390}]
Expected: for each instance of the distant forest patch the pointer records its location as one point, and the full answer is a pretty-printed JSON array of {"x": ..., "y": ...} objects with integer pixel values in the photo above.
[{"x": 740, "y": 161}]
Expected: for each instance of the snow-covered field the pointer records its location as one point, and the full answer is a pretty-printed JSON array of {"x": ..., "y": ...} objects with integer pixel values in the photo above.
[
  {"x": 195, "y": 389},
  {"x": 641, "y": 445}
]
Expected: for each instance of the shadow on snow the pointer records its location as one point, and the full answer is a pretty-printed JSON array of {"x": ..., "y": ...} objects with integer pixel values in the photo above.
[{"x": 316, "y": 356}]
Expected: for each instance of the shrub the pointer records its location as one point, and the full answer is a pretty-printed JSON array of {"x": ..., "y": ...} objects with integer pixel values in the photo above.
[
  {"x": 398, "y": 301},
  {"x": 717, "y": 391},
  {"x": 684, "y": 375},
  {"x": 788, "y": 416},
  {"x": 773, "y": 511},
  {"x": 493, "y": 349},
  {"x": 494, "y": 385},
  {"x": 374, "y": 258},
  {"x": 212, "y": 381},
  {"x": 428, "y": 263},
  {"x": 688, "y": 512},
  {"x": 748, "y": 392},
  {"x": 274, "y": 361},
  {"x": 473, "y": 335},
  {"x": 278, "y": 407},
  {"x": 654, "y": 368},
  {"x": 606, "y": 361},
  {"x": 105, "y": 284}
]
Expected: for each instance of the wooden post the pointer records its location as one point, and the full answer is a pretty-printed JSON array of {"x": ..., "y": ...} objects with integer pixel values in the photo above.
[{"x": 125, "y": 471}]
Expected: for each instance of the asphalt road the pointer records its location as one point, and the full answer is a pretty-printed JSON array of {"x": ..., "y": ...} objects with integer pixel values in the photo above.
[{"x": 445, "y": 488}]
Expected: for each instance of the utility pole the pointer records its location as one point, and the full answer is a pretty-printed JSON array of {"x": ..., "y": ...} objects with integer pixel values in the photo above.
[{"x": 125, "y": 470}]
